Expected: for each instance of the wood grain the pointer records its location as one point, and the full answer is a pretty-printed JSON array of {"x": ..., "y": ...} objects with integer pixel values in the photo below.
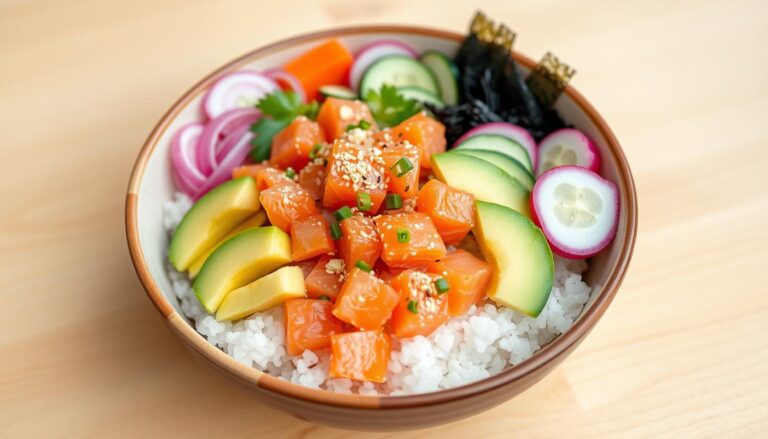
[{"x": 682, "y": 352}]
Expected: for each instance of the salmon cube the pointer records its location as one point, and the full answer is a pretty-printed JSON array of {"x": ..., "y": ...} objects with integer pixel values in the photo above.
[
  {"x": 309, "y": 325},
  {"x": 421, "y": 308},
  {"x": 451, "y": 210},
  {"x": 325, "y": 279},
  {"x": 467, "y": 278},
  {"x": 409, "y": 240},
  {"x": 311, "y": 178},
  {"x": 249, "y": 170},
  {"x": 355, "y": 172},
  {"x": 269, "y": 177},
  {"x": 365, "y": 301},
  {"x": 336, "y": 115},
  {"x": 292, "y": 145},
  {"x": 310, "y": 237},
  {"x": 360, "y": 356},
  {"x": 287, "y": 203},
  {"x": 359, "y": 241},
  {"x": 424, "y": 132},
  {"x": 398, "y": 156}
]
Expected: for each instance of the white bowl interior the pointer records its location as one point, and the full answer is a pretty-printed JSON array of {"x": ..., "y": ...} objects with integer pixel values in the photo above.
[{"x": 157, "y": 186}]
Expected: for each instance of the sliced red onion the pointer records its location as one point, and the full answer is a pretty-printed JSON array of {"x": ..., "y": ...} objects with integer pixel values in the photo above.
[
  {"x": 280, "y": 76},
  {"x": 237, "y": 90},
  {"x": 183, "y": 156},
  {"x": 213, "y": 132},
  {"x": 234, "y": 158},
  {"x": 230, "y": 140},
  {"x": 369, "y": 53}
]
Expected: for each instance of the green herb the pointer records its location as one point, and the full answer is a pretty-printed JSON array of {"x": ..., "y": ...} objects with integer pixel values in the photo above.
[
  {"x": 403, "y": 235},
  {"x": 335, "y": 231},
  {"x": 364, "y": 202},
  {"x": 394, "y": 201},
  {"x": 278, "y": 110},
  {"x": 442, "y": 286},
  {"x": 363, "y": 266},
  {"x": 290, "y": 173},
  {"x": 389, "y": 107},
  {"x": 324, "y": 297},
  {"x": 413, "y": 306},
  {"x": 315, "y": 151},
  {"x": 402, "y": 166},
  {"x": 343, "y": 213},
  {"x": 363, "y": 125}
]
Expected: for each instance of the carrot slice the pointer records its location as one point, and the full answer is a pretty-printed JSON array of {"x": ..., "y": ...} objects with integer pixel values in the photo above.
[
  {"x": 325, "y": 279},
  {"x": 467, "y": 278},
  {"x": 309, "y": 325},
  {"x": 360, "y": 356},
  {"x": 365, "y": 301},
  {"x": 409, "y": 240},
  {"x": 327, "y": 63},
  {"x": 355, "y": 169},
  {"x": 451, "y": 210},
  {"x": 310, "y": 237},
  {"x": 292, "y": 145},
  {"x": 311, "y": 178},
  {"x": 421, "y": 308},
  {"x": 336, "y": 115},
  {"x": 424, "y": 132},
  {"x": 359, "y": 241},
  {"x": 286, "y": 203},
  {"x": 395, "y": 152}
]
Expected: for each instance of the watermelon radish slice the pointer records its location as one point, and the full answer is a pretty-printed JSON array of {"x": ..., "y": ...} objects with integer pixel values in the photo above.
[
  {"x": 372, "y": 53},
  {"x": 567, "y": 146},
  {"x": 237, "y": 90},
  {"x": 509, "y": 130},
  {"x": 577, "y": 209}
]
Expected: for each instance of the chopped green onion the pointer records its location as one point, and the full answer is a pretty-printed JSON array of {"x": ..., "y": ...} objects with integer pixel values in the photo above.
[
  {"x": 315, "y": 150},
  {"x": 403, "y": 235},
  {"x": 335, "y": 231},
  {"x": 413, "y": 306},
  {"x": 394, "y": 201},
  {"x": 290, "y": 173},
  {"x": 364, "y": 202},
  {"x": 343, "y": 213},
  {"x": 363, "y": 125},
  {"x": 363, "y": 266},
  {"x": 324, "y": 297},
  {"x": 442, "y": 286},
  {"x": 402, "y": 166}
]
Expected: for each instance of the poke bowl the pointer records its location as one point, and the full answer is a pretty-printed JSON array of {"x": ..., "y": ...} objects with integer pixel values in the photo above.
[{"x": 258, "y": 255}]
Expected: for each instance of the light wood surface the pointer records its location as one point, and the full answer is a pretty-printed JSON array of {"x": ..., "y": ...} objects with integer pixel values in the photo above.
[{"x": 682, "y": 352}]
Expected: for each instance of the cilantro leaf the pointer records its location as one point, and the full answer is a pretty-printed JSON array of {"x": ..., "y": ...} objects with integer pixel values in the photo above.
[
  {"x": 278, "y": 110},
  {"x": 389, "y": 107},
  {"x": 265, "y": 129}
]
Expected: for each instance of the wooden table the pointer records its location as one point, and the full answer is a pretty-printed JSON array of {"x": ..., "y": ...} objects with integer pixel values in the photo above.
[{"x": 682, "y": 352}]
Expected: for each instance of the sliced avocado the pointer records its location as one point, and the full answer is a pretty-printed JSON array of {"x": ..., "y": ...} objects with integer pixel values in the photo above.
[
  {"x": 523, "y": 268},
  {"x": 263, "y": 293},
  {"x": 211, "y": 217},
  {"x": 239, "y": 261},
  {"x": 484, "y": 180},
  {"x": 505, "y": 162},
  {"x": 255, "y": 221},
  {"x": 498, "y": 143}
]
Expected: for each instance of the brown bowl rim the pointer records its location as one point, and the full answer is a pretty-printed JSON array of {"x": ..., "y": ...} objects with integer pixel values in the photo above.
[{"x": 270, "y": 383}]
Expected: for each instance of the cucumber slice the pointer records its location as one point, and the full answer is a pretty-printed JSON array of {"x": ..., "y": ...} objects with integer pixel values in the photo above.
[
  {"x": 504, "y": 145},
  {"x": 398, "y": 71},
  {"x": 337, "y": 91},
  {"x": 505, "y": 162},
  {"x": 421, "y": 95},
  {"x": 446, "y": 73}
]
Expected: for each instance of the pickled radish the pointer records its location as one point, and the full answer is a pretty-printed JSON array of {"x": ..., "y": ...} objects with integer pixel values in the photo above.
[
  {"x": 567, "y": 146},
  {"x": 577, "y": 209}
]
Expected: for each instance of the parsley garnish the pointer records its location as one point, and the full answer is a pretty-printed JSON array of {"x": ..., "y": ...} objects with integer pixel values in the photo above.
[
  {"x": 278, "y": 110},
  {"x": 389, "y": 107}
]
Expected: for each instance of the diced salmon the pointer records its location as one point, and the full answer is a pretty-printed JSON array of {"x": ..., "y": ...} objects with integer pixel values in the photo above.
[
  {"x": 311, "y": 178},
  {"x": 310, "y": 237},
  {"x": 360, "y": 356},
  {"x": 451, "y": 210},
  {"x": 355, "y": 167},
  {"x": 326, "y": 63},
  {"x": 467, "y": 278},
  {"x": 309, "y": 325},
  {"x": 286, "y": 203},
  {"x": 422, "y": 246},
  {"x": 306, "y": 266},
  {"x": 359, "y": 241},
  {"x": 336, "y": 115},
  {"x": 269, "y": 177},
  {"x": 424, "y": 132},
  {"x": 325, "y": 279},
  {"x": 292, "y": 145},
  {"x": 249, "y": 170},
  {"x": 365, "y": 301},
  {"x": 421, "y": 308},
  {"x": 393, "y": 151}
]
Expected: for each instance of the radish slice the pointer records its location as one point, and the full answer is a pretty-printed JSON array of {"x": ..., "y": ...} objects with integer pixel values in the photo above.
[
  {"x": 372, "y": 52},
  {"x": 567, "y": 146},
  {"x": 222, "y": 126},
  {"x": 577, "y": 209},
  {"x": 234, "y": 158},
  {"x": 509, "y": 130},
  {"x": 287, "y": 81},
  {"x": 183, "y": 156},
  {"x": 237, "y": 90}
]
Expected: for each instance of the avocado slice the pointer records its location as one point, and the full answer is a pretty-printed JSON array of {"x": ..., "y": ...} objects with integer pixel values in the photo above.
[
  {"x": 210, "y": 218},
  {"x": 505, "y": 162},
  {"x": 486, "y": 181},
  {"x": 263, "y": 293},
  {"x": 239, "y": 261},
  {"x": 523, "y": 267},
  {"x": 504, "y": 145}
]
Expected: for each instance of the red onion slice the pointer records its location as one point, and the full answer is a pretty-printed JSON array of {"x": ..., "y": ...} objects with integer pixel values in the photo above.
[
  {"x": 237, "y": 90},
  {"x": 282, "y": 77},
  {"x": 234, "y": 158},
  {"x": 214, "y": 129},
  {"x": 183, "y": 156}
]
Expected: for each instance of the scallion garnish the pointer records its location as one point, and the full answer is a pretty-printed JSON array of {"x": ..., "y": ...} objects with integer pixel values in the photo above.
[
  {"x": 324, "y": 297},
  {"x": 442, "y": 286},
  {"x": 343, "y": 213},
  {"x": 363, "y": 266},
  {"x": 315, "y": 151},
  {"x": 402, "y": 166},
  {"x": 335, "y": 231},
  {"x": 413, "y": 306},
  {"x": 394, "y": 201},
  {"x": 403, "y": 235},
  {"x": 364, "y": 202},
  {"x": 363, "y": 125},
  {"x": 290, "y": 173}
]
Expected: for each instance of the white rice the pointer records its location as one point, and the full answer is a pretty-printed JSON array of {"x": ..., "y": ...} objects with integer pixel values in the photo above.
[{"x": 465, "y": 349}]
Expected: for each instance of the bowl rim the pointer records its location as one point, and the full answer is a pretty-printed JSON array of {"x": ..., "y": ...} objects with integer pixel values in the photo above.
[{"x": 275, "y": 385}]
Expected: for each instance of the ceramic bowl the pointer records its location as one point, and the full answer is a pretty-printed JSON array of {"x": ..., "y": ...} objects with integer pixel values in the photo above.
[{"x": 152, "y": 184}]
